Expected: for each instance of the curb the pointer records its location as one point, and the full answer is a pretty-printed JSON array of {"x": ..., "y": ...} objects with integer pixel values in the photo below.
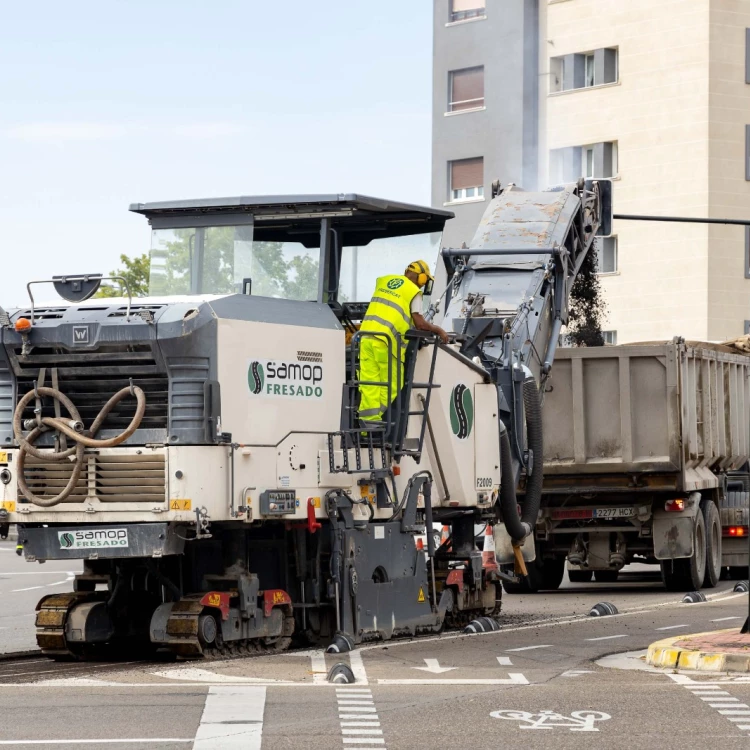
[{"x": 666, "y": 654}]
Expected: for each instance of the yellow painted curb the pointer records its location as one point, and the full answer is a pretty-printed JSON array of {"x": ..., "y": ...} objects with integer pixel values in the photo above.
[{"x": 666, "y": 653}]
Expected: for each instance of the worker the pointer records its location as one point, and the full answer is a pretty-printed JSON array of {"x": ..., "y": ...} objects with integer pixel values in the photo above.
[
  {"x": 19, "y": 547},
  {"x": 395, "y": 307}
]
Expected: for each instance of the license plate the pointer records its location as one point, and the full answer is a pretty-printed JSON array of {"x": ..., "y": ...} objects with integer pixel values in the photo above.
[
  {"x": 562, "y": 514},
  {"x": 614, "y": 512}
]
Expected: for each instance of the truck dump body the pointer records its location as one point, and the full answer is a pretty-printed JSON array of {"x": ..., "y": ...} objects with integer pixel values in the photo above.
[{"x": 675, "y": 414}]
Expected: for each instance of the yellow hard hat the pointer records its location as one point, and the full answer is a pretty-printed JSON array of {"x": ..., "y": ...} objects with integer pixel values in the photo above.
[{"x": 422, "y": 270}]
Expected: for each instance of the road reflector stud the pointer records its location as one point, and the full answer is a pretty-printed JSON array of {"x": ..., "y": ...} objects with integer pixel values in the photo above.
[
  {"x": 341, "y": 674},
  {"x": 341, "y": 644},
  {"x": 694, "y": 597},
  {"x": 603, "y": 609},
  {"x": 482, "y": 625},
  {"x": 741, "y": 587},
  {"x": 421, "y": 598}
]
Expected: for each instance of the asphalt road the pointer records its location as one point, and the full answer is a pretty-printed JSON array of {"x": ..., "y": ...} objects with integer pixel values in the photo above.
[
  {"x": 548, "y": 679},
  {"x": 22, "y": 585}
]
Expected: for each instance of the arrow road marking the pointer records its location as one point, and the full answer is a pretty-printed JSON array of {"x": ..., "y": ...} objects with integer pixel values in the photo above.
[{"x": 434, "y": 667}]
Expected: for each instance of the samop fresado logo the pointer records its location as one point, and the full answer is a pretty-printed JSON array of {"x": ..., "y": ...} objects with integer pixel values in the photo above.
[
  {"x": 66, "y": 541},
  {"x": 275, "y": 378},
  {"x": 461, "y": 411}
]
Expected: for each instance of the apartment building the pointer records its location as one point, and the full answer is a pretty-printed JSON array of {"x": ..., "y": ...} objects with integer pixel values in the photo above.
[{"x": 655, "y": 96}]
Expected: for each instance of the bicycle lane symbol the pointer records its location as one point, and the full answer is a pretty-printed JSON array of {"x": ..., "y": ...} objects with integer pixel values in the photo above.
[{"x": 578, "y": 721}]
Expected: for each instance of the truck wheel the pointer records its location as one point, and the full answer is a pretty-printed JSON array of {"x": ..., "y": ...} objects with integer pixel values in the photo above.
[
  {"x": 687, "y": 573},
  {"x": 580, "y": 576},
  {"x": 606, "y": 576},
  {"x": 713, "y": 544}
]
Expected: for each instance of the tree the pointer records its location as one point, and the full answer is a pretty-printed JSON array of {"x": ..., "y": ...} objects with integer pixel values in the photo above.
[{"x": 135, "y": 271}]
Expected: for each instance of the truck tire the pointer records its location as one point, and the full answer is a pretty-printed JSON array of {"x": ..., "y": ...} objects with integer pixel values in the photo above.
[
  {"x": 580, "y": 576},
  {"x": 606, "y": 576},
  {"x": 712, "y": 519},
  {"x": 687, "y": 573},
  {"x": 544, "y": 574}
]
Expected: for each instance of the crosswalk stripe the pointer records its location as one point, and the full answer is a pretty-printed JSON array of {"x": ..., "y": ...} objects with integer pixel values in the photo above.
[{"x": 232, "y": 718}]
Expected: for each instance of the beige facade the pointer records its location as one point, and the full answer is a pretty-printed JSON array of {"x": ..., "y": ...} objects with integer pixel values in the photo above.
[{"x": 677, "y": 114}]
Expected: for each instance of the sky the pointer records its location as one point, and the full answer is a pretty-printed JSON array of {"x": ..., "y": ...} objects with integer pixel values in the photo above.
[{"x": 113, "y": 102}]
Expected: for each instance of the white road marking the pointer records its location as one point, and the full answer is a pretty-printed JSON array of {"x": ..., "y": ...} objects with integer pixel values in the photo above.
[
  {"x": 232, "y": 718},
  {"x": 504, "y": 661},
  {"x": 714, "y": 696},
  {"x": 197, "y": 674},
  {"x": 607, "y": 637},
  {"x": 733, "y": 712},
  {"x": 30, "y": 588},
  {"x": 724, "y": 619},
  {"x": 133, "y": 741},
  {"x": 673, "y": 627},
  {"x": 68, "y": 573},
  {"x": 576, "y": 672},
  {"x": 433, "y": 666},
  {"x": 358, "y": 668},
  {"x": 367, "y": 730},
  {"x": 318, "y": 666},
  {"x": 514, "y": 678},
  {"x": 527, "y": 648},
  {"x": 57, "y": 583}
]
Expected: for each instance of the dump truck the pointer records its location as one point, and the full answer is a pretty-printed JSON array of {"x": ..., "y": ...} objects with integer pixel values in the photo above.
[
  {"x": 201, "y": 449},
  {"x": 645, "y": 460}
]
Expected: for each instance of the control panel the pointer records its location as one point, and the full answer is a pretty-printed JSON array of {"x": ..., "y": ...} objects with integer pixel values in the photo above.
[{"x": 278, "y": 502}]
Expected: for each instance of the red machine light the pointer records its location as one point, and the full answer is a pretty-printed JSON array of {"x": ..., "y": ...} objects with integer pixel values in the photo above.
[
  {"x": 735, "y": 531},
  {"x": 676, "y": 505}
]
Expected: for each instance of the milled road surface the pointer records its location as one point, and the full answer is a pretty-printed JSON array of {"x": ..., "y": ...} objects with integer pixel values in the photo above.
[{"x": 541, "y": 682}]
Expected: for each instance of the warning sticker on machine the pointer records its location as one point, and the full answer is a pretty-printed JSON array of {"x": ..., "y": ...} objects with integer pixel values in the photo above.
[
  {"x": 93, "y": 538},
  {"x": 421, "y": 597}
]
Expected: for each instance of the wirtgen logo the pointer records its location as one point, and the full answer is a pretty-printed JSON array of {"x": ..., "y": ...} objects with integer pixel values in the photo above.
[
  {"x": 275, "y": 378},
  {"x": 93, "y": 538},
  {"x": 461, "y": 411}
]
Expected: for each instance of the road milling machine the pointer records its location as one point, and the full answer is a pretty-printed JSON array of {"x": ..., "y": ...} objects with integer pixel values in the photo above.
[{"x": 200, "y": 449}]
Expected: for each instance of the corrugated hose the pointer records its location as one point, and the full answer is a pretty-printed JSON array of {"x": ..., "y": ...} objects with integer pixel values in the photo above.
[{"x": 72, "y": 428}]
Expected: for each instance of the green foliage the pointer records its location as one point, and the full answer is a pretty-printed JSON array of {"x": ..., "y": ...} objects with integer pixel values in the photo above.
[
  {"x": 228, "y": 258},
  {"x": 135, "y": 271}
]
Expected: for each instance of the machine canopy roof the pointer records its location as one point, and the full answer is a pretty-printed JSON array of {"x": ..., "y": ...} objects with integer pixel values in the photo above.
[{"x": 297, "y": 218}]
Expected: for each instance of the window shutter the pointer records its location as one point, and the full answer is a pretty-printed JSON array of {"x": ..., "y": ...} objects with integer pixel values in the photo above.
[
  {"x": 467, "y": 173},
  {"x": 459, "y": 6},
  {"x": 467, "y": 88}
]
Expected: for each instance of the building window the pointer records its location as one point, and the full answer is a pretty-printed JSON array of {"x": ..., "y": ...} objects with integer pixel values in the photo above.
[
  {"x": 593, "y": 160},
  {"x": 747, "y": 327},
  {"x": 747, "y": 55},
  {"x": 467, "y": 179},
  {"x": 610, "y": 338},
  {"x": 747, "y": 152},
  {"x": 583, "y": 70},
  {"x": 607, "y": 259},
  {"x": 588, "y": 161},
  {"x": 747, "y": 252},
  {"x": 463, "y": 10},
  {"x": 466, "y": 89}
]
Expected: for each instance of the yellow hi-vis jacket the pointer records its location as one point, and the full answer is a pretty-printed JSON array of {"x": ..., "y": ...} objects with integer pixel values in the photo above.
[{"x": 389, "y": 311}]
